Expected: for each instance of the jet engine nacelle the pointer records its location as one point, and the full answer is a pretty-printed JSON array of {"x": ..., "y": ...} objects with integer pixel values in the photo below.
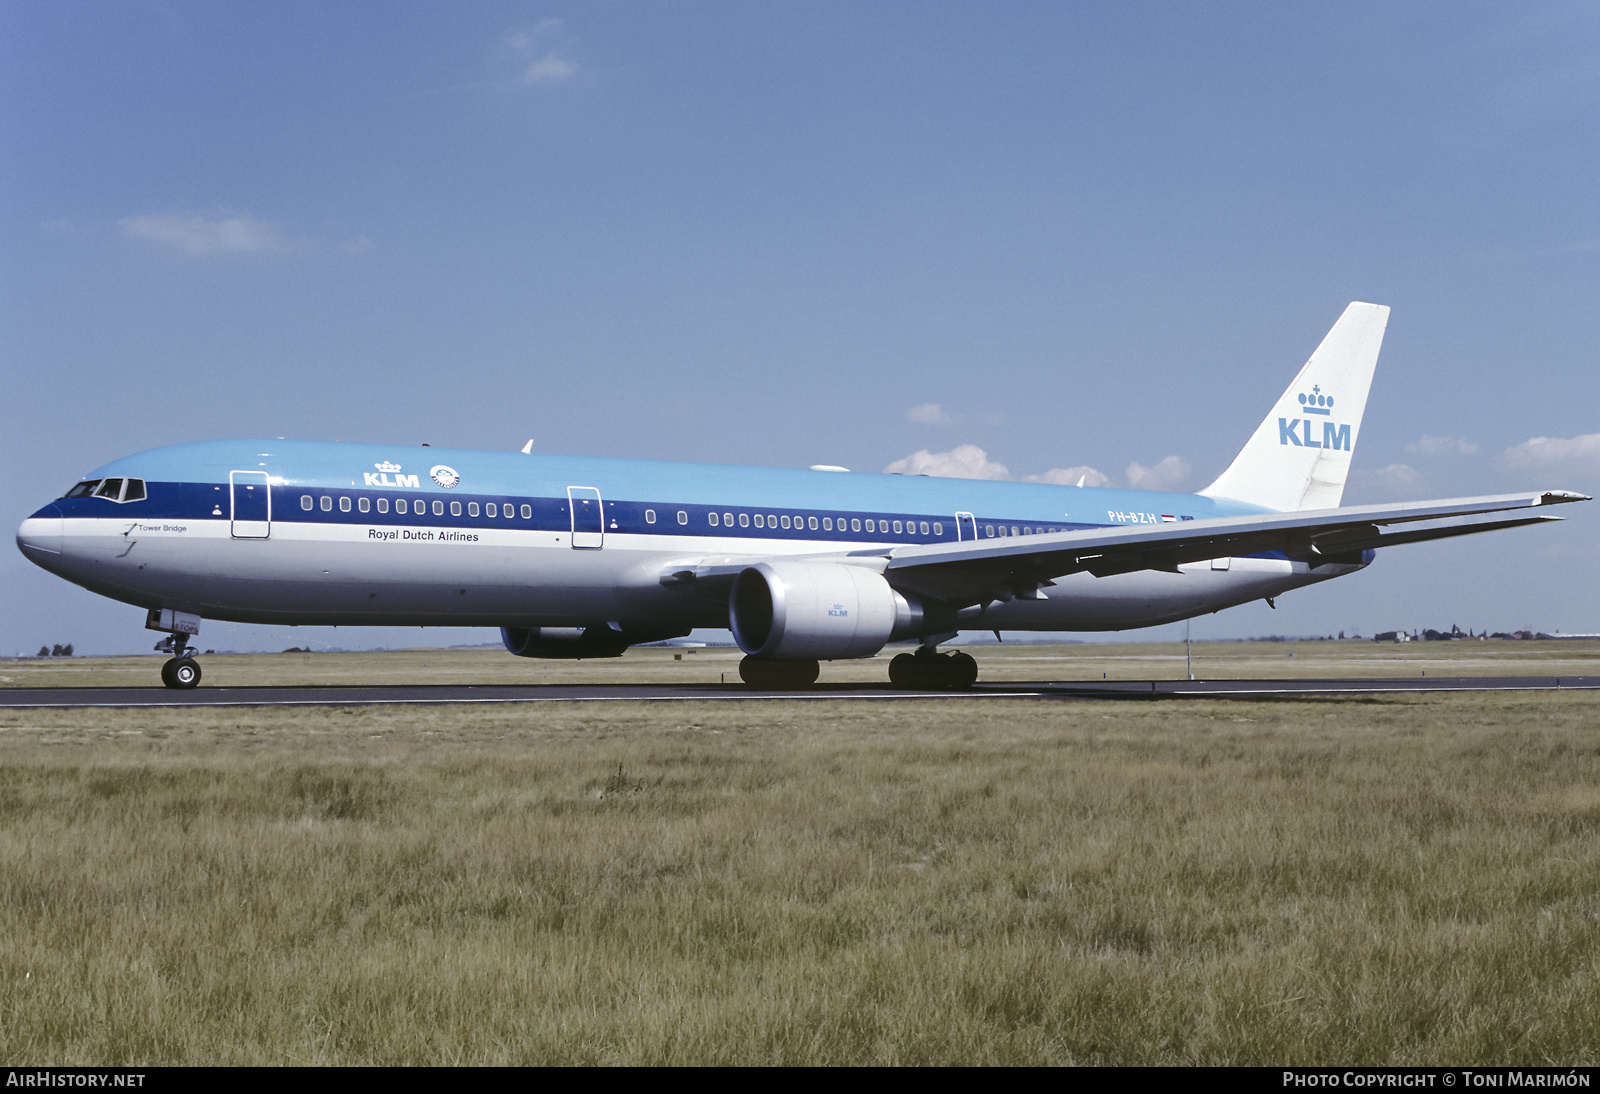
[{"x": 821, "y": 611}]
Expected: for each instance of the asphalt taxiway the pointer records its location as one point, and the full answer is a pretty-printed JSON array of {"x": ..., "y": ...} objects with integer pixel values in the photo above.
[{"x": 434, "y": 695}]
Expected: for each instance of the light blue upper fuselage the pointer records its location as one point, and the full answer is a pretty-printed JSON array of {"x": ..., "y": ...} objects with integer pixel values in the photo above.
[{"x": 337, "y": 465}]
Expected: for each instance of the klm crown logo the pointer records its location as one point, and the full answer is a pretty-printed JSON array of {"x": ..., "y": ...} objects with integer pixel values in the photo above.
[
  {"x": 387, "y": 467},
  {"x": 1298, "y": 431},
  {"x": 1316, "y": 402}
]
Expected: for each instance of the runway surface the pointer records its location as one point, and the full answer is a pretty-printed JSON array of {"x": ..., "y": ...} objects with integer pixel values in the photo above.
[{"x": 427, "y": 695}]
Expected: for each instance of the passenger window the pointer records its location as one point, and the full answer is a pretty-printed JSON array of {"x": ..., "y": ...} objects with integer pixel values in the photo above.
[
  {"x": 344, "y": 505},
  {"x": 490, "y": 509},
  {"x": 110, "y": 489},
  {"x": 472, "y": 508},
  {"x": 527, "y": 512},
  {"x": 897, "y": 526},
  {"x": 855, "y": 524},
  {"x": 938, "y": 529},
  {"x": 438, "y": 508},
  {"x": 744, "y": 520},
  {"x": 683, "y": 518},
  {"x": 326, "y": 504},
  {"x": 134, "y": 491},
  {"x": 784, "y": 520},
  {"x": 400, "y": 505},
  {"x": 712, "y": 517},
  {"x": 649, "y": 516},
  {"x": 1013, "y": 529},
  {"x": 305, "y": 502},
  {"x": 827, "y": 524},
  {"x": 383, "y": 505},
  {"x": 988, "y": 530},
  {"x": 923, "y": 527},
  {"x": 455, "y": 509},
  {"x": 872, "y": 525},
  {"x": 761, "y": 520},
  {"x": 727, "y": 520}
]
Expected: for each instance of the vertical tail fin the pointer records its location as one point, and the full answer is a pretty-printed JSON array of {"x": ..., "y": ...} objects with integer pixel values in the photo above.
[{"x": 1299, "y": 456}]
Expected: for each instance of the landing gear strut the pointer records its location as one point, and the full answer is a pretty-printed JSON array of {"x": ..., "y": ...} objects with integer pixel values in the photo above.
[
  {"x": 930, "y": 670},
  {"x": 182, "y": 671}
]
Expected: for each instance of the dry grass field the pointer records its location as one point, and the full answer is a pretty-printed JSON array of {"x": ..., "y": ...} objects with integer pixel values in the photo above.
[
  {"x": 1087, "y": 661},
  {"x": 1403, "y": 879}
]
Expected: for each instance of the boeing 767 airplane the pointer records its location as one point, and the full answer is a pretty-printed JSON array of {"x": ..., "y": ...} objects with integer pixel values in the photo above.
[{"x": 583, "y": 557}]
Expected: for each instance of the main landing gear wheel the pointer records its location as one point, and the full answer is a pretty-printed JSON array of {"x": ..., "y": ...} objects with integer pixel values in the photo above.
[
  {"x": 181, "y": 672},
  {"x": 926, "y": 670},
  {"x": 778, "y": 674}
]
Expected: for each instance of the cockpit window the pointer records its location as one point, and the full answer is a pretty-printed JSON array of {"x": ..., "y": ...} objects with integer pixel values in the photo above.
[{"x": 118, "y": 490}]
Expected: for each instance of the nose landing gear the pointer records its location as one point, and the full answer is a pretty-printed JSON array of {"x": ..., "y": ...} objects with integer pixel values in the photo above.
[
  {"x": 182, "y": 671},
  {"x": 930, "y": 670}
]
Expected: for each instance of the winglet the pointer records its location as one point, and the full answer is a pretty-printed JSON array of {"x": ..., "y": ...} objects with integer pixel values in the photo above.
[
  {"x": 527, "y": 449},
  {"x": 1299, "y": 457}
]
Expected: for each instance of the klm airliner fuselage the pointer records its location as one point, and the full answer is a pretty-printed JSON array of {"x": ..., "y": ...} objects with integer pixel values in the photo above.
[{"x": 575, "y": 556}]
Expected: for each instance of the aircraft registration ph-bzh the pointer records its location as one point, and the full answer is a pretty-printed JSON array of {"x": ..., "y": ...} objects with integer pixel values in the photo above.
[{"x": 583, "y": 557}]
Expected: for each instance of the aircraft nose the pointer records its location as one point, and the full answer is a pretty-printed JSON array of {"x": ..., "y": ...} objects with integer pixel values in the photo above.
[{"x": 39, "y": 538}]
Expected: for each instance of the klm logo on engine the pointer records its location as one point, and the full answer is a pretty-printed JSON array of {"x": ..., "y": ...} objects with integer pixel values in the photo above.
[
  {"x": 838, "y": 611},
  {"x": 1301, "y": 432},
  {"x": 382, "y": 478}
]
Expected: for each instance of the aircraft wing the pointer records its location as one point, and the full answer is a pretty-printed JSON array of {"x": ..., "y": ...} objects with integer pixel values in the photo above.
[
  {"x": 1021, "y": 565},
  {"x": 1018, "y": 566}
]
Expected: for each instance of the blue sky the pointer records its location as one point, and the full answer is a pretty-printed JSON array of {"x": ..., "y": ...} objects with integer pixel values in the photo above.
[{"x": 1014, "y": 239}]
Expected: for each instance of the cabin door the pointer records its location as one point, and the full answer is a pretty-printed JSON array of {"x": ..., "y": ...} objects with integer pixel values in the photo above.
[
  {"x": 966, "y": 527},
  {"x": 588, "y": 517},
  {"x": 251, "y": 499}
]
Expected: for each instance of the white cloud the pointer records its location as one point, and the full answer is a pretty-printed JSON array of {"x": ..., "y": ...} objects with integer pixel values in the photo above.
[
  {"x": 549, "y": 68},
  {"x": 205, "y": 235},
  {"x": 1578, "y": 453},
  {"x": 1169, "y": 474},
  {"x": 929, "y": 414},
  {"x": 1429, "y": 445},
  {"x": 966, "y": 461},
  {"x": 1397, "y": 475},
  {"x": 1070, "y": 476}
]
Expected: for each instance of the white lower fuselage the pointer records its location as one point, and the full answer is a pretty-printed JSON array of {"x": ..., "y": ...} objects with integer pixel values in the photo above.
[{"x": 385, "y": 575}]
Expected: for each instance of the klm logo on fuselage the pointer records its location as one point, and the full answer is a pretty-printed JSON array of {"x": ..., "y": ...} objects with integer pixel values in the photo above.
[
  {"x": 1301, "y": 432},
  {"x": 839, "y": 611},
  {"x": 382, "y": 477}
]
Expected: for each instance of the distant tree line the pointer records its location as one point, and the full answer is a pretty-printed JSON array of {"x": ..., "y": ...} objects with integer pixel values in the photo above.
[{"x": 58, "y": 650}]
